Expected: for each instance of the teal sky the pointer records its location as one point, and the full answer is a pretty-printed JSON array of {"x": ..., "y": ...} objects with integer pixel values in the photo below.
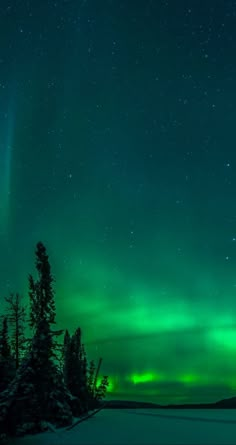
[{"x": 117, "y": 150}]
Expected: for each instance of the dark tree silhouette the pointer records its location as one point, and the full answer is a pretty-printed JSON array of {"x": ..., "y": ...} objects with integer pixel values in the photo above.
[
  {"x": 91, "y": 376},
  {"x": 66, "y": 357},
  {"x": 16, "y": 313},
  {"x": 5, "y": 349},
  {"x": 41, "y": 293},
  {"x": 39, "y": 393},
  {"x": 101, "y": 390},
  {"x": 80, "y": 379},
  {"x": 6, "y": 360},
  {"x": 75, "y": 368}
]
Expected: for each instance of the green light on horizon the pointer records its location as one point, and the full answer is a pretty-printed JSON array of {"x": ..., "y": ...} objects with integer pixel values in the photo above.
[
  {"x": 189, "y": 378},
  {"x": 144, "y": 378},
  {"x": 225, "y": 338}
]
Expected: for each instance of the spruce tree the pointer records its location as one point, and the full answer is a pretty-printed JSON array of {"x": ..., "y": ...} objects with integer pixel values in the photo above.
[
  {"x": 5, "y": 349},
  {"x": 75, "y": 367},
  {"x": 80, "y": 379},
  {"x": 101, "y": 390},
  {"x": 84, "y": 368},
  {"x": 48, "y": 378},
  {"x": 41, "y": 293},
  {"x": 97, "y": 391},
  {"x": 66, "y": 357},
  {"x": 90, "y": 383},
  {"x": 42, "y": 299},
  {"x": 38, "y": 392},
  {"x": 6, "y": 361},
  {"x": 16, "y": 316},
  {"x": 91, "y": 376}
]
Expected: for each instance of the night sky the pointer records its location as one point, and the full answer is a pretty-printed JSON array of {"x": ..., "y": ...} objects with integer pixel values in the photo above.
[{"x": 118, "y": 151}]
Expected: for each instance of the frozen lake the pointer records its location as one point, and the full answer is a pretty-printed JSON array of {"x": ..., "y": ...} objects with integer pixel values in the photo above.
[{"x": 145, "y": 426}]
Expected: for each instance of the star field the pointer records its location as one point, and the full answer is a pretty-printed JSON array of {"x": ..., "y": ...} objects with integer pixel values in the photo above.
[{"x": 117, "y": 150}]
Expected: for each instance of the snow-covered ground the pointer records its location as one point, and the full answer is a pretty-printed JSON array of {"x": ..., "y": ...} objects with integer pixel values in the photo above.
[{"x": 144, "y": 426}]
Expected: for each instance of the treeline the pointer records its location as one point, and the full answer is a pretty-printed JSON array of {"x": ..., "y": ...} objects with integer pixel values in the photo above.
[{"x": 42, "y": 381}]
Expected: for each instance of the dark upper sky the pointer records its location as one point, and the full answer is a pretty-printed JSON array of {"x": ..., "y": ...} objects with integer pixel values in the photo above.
[{"x": 118, "y": 151}]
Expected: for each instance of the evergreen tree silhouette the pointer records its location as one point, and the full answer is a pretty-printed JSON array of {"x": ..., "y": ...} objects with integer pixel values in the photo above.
[
  {"x": 16, "y": 316},
  {"x": 41, "y": 293},
  {"x": 38, "y": 393},
  {"x": 75, "y": 367},
  {"x": 91, "y": 376},
  {"x": 80, "y": 378},
  {"x": 66, "y": 357},
  {"x": 5, "y": 349},
  {"x": 6, "y": 360},
  {"x": 101, "y": 390}
]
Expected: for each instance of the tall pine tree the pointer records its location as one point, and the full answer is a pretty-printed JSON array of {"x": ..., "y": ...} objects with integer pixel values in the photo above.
[
  {"x": 91, "y": 376},
  {"x": 41, "y": 293},
  {"x": 38, "y": 393},
  {"x": 75, "y": 367},
  {"x": 66, "y": 357},
  {"x": 16, "y": 316},
  {"x": 6, "y": 360},
  {"x": 101, "y": 389},
  {"x": 5, "y": 349}
]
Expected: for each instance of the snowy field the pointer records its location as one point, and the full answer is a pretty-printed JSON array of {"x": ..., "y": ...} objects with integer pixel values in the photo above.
[{"x": 145, "y": 426}]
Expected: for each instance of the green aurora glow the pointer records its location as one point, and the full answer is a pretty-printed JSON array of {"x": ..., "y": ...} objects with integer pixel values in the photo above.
[{"x": 123, "y": 163}]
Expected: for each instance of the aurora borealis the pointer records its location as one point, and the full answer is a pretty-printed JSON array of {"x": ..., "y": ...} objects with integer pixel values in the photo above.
[{"x": 117, "y": 150}]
